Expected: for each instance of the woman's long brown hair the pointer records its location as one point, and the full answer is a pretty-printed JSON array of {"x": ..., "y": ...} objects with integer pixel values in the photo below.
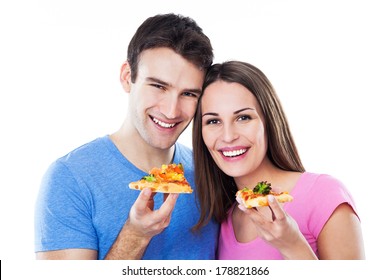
[{"x": 216, "y": 190}]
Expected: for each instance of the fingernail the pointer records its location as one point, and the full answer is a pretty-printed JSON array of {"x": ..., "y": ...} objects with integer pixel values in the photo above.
[
  {"x": 271, "y": 198},
  {"x": 242, "y": 208},
  {"x": 147, "y": 192}
]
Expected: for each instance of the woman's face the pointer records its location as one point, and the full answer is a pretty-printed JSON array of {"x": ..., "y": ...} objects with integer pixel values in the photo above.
[{"x": 233, "y": 128}]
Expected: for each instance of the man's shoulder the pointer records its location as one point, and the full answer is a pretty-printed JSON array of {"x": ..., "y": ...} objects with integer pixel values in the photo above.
[
  {"x": 87, "y": 162},
  {"x": 183, "y": 153},
  {"x": 87, "y": 152}
]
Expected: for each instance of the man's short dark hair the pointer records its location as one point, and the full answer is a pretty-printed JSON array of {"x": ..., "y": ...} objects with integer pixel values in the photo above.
[{"x": 179, "y": 33}]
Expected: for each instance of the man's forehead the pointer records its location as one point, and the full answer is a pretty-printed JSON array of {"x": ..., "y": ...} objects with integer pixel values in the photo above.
[{"x": 169, "y": 68}]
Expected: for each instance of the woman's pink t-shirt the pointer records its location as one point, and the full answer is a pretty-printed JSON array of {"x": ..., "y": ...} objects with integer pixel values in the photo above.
[{"x": 316, "y": 196}]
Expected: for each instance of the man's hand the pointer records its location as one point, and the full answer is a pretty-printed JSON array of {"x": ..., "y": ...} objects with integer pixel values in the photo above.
[
  {"x": 147, "y": 222},
  {"x": 143, "y": 223}
]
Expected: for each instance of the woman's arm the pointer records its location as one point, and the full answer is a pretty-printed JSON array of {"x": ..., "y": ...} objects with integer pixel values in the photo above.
[{"x": 341, "y": 237}]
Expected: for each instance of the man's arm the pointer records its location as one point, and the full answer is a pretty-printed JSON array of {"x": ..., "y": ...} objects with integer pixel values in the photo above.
[
  {"x": 68, "y": 254},
  {"x": 143, "y": 223}
]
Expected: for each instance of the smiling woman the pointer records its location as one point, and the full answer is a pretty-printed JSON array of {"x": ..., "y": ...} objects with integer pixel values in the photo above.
[{"x": 248, "y": 140}]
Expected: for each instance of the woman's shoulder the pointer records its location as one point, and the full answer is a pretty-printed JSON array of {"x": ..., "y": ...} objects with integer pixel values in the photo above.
[
  {"x": 319, "y": 181},
  {"x": 323, "y": 187},
  {"x": 316, "y": 196}
]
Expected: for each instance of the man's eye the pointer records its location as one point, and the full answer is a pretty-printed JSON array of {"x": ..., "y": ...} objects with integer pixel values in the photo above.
[
  {"x": 157, "y": 86},
  {"x": 190, "y": 94}
]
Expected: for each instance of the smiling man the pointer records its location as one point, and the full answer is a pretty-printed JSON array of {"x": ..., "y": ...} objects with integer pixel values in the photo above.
[{"x": 85, "y": 209}]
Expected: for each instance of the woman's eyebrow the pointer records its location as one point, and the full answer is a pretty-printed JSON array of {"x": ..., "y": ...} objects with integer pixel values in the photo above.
[
  {"x": 239, "y": 111},
  {"x": 209, "y": 114},
  {"x": 235, "y": 112}
]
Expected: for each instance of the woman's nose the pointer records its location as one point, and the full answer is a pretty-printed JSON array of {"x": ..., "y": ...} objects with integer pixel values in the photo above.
[{"x": 229, "y": 133}]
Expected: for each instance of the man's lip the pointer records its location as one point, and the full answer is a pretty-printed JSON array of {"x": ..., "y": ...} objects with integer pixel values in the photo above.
[{"x": 163, "y": 124}]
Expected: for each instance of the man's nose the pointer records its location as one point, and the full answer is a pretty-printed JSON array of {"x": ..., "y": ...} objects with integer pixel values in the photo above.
[{"x": 171, "y": 106}]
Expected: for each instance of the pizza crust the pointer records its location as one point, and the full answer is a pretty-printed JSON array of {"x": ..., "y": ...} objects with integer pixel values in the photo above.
[
  {"x": 261, "y": 200},
  {"x": 163, "y": 187},
  {"x": 167, "y": 179}
]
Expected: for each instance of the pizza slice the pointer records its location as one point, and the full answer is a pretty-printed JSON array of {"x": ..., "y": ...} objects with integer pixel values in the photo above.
[
  {"x": 258, "y": 196},
  {"x": 167, "y": 179}
]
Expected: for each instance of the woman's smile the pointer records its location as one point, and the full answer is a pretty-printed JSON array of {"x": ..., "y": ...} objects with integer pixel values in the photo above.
[{"x": 233, "y": 153}]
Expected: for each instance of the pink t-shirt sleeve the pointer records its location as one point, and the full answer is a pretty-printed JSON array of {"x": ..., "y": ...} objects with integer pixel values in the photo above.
[{"x": 324, "y": 195}]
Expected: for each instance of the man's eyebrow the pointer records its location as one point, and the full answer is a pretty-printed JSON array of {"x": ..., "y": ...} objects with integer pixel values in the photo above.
[
  {"x": 161, "y": 82},
  {"x": 156, "y": 80}
]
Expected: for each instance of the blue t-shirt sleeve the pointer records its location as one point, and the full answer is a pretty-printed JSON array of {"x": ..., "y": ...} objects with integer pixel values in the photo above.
[{"x": 63, "y": 216}]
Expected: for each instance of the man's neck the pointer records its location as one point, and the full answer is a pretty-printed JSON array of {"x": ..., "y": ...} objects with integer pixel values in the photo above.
[{"x": 139, "y": 153}]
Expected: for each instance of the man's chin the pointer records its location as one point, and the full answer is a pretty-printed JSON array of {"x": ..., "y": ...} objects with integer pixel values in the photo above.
[{"x": 162, "y": 144}]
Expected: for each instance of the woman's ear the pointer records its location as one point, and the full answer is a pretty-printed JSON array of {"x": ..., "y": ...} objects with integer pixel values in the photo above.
[{"x": 125, "y": 76}]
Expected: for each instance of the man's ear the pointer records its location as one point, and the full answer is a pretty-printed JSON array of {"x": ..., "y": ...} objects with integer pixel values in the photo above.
[{"x": 125, "y": 76}]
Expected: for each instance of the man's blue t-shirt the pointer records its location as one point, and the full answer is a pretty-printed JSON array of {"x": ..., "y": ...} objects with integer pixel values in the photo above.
[{"x": 85, "y": 200}]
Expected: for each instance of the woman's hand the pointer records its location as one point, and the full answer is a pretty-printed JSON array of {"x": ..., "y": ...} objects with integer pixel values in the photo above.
[{"x": 277, "y": 228}]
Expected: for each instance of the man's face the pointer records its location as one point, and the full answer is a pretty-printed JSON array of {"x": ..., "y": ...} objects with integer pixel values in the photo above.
[{"x": 164, "y": 96}]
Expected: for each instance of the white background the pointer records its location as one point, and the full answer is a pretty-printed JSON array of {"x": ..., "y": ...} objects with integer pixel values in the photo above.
[{"x": 59, "y": 88}]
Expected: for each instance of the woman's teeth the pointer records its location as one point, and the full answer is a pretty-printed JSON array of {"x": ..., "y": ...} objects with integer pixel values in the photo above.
[
  {"x": 234, "y": 153},
  {"x": 163, "y": 124}
]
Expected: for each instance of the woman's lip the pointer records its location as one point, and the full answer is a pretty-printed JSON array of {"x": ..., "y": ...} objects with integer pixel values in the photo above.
[
  {"x": 234, "y": 152},
  {"x": 235, "y": 148}
]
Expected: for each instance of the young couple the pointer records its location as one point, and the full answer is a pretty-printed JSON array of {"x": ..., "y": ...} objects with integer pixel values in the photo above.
[{"x": 85, "y": 209}]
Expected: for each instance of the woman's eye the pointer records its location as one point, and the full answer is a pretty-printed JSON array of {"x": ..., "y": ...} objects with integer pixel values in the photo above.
[
  {"x": 213, "y": 121},
  {"x": 244, "y": 118}
]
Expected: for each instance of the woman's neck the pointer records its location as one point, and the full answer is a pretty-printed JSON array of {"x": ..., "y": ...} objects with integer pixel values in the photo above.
[
  {"x": 265, "y": 172},
  {"x": 281, "y": 179}
]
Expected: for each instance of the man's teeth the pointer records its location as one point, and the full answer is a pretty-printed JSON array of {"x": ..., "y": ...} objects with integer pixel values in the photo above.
[
  {"x": 233, "y": 153},
  {"x": 163, "y": 124}
]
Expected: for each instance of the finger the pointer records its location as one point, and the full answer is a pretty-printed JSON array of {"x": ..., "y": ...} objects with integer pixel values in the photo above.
[
  {"x": 167, "y": 221},
  {"x": 258, "y": 220},
  {"x": 272, "y": 214},
  {"x": 248, "y": 211},
  {"x": 163, "y": 215},
  {"x": 242, "y": 208},
  {"x": 276, "y": 209},
  {"x": 144, "y": 201},
  {"x": 168, "y": 206}
]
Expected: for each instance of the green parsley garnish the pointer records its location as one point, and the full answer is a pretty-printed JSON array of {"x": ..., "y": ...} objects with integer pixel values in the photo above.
[
  {"x": 262, "y": 188},
  {"x": 149, "y": 178}
]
